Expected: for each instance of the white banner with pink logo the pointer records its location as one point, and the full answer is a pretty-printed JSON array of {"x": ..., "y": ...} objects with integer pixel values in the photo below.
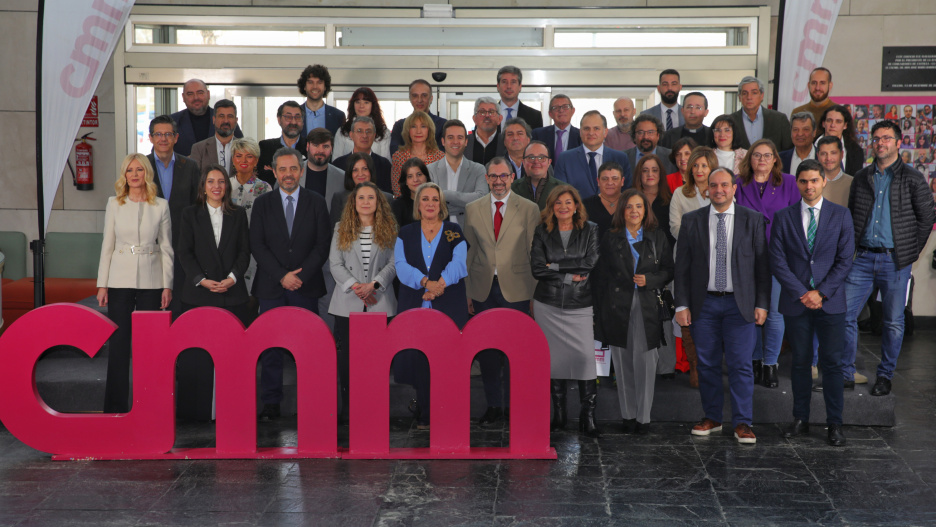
[
  {"x": 807, "y": 30},
  {"x": 79, "y": 37}
]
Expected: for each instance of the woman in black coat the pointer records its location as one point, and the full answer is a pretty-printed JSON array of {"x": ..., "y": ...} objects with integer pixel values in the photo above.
[{"x": 636, "y": 259}]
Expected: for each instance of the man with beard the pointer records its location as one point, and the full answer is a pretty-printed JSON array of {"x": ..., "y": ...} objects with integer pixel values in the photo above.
[
  {"x": 619, "y": 137},
  {"x": 363, "y": 135},
  {"x": 668, "y": 111},
  {"x": 289, "y": 117},
  {"x": 290, "y": 255},
  {"x": 694, "y": 110},
  {"x": 196, "y": 122},
  {"x": 320, "y": 176},
  {"x": 315, "y": 83},
  {"x": 646, "y": 132},
  {"x": 754, "y": 122},
  {"x": 820, "y": 86},
  {"x": 420, "y": 97},
  {"x": 217, "y": 148},
  {"x": 485, "y": 142}
]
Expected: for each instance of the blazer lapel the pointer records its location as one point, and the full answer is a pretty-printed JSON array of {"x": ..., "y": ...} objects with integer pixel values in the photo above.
[
  {"x": 798, "y": 227},
  {"x": 359, "y": 252},
  {"x": 303, "y": 204},
  {"x": 821, "y": 227},
  {"x": 227, "y": 226},
  {"x": 703, "y": 234},
  {"x": 510, "y": 212}
]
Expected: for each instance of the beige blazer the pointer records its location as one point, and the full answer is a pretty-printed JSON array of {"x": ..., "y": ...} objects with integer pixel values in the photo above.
[
  {"x": 510, "y": 253},
  {"x": 148, "y": 264}
]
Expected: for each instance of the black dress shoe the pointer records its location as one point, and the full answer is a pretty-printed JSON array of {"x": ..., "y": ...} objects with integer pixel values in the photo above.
[
  {"x": 798, "y": 428},
  {"x": 758, "y": 365},
  {"x": 642, "y": 429},
  {"x": 668, "y": 376},
  {"x": 630, "y": 425},
  {"x": 270, "y": 412},
  {"x": 882, "y": 386},
  {"x": 836, "y": 436},
  {"x": 492, "y": 416},
  {"x": 770, "y": 376}
]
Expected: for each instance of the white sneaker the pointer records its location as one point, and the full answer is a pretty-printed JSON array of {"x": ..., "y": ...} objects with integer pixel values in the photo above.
[{"x": 860, "y": 379}]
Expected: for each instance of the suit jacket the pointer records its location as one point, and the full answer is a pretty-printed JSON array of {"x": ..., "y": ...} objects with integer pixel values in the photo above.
[
  {"x": 525, "y": 189},
  {"x": 547, "y": 134},
  {"x": 776, "y": 128},
  {"x": 277, "y": 252},
  {"x": 185, "y": 177},
  {"x": 657, "y": 111},
  {"x": 509, "y": 253},
  {"x": 703, "y": 136},
  {"x": 750, "y": 273},
  {"x": 572, "y": 168},
  {"x": 187, "y": 137},
  {"x": 828, "y": 264},
  {"x": 531, "y": 116},
  {"x": 498, "y": 140},
  {"x": 146, "y": 267},
  {"x": 381, "y": 164},
  {"x": 334, "y": 118},
  {"x": 206, "y": 152},
  {"x": 347, "y": 267},
  {"x": 471, "y": 185},
  {"x": 268, "y": 147},
  {"x": 396, "y": 134},
  {"x": 661, "y": 152},
  {"x": 334, "y": 182},
  {"x": 203, "y": 258}
]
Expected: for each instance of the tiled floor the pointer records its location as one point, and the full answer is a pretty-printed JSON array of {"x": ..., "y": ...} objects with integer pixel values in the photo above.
[{"x": 883, "y": 477}]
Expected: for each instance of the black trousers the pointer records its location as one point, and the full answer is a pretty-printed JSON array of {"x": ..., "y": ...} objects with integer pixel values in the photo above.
[{"x": 121, "y": 303}]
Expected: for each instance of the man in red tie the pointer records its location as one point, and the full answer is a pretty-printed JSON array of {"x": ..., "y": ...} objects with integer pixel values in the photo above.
[{"x": 499, "y": 230}]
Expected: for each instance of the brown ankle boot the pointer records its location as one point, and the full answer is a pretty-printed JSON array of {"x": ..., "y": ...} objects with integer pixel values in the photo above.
[{"x": 691, "y": 356}]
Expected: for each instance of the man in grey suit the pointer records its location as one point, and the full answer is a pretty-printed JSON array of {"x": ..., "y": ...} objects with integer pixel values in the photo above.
[
  {"x": 669, "y": 112},
  {"x": 722, "y": 290},
  {"x": 754, "y": 122},
  {"x": 461, "y": 179},
  {"x": 646, "y": 132},
  {"x": 217, "y": 148}
]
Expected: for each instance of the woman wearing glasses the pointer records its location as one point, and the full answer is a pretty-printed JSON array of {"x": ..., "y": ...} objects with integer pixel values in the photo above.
[
  {"x": 764, "y": 188},
  {"x": 246, "y": 186}
]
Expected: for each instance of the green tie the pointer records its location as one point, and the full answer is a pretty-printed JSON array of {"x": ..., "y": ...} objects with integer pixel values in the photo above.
[{"x": 811, "y": 236}]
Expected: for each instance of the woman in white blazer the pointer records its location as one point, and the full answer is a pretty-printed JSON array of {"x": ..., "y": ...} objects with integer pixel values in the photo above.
[
  {"x": 361, "y": 261},
  {"x": 135, "y": 272}
]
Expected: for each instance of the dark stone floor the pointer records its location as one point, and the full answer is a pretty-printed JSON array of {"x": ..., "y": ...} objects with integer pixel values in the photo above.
[{"x": 885, "y": 476}]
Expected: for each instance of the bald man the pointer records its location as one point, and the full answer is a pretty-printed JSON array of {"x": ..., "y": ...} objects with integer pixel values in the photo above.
[{"x": 619, "y": 137}]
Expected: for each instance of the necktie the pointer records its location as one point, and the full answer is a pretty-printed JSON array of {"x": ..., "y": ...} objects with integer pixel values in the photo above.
[
  {"x": 811, "y": 237},
  {"x": 721, "y": 254},
  {"x": 221, "y": 159},
  {"x": 592, "y": 167},
  {"x": 669, "y": 119},
  {"x": 558, "y": 142},
  {"x": 510, "y": 113},
  {"x": 290, "y": 214},
  {"x": 498, "y": 218}
]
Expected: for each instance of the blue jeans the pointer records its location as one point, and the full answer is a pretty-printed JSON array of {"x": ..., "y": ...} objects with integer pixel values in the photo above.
[
  {"x": 770, "y": 336},
  {"x": 869, "y": 271}
]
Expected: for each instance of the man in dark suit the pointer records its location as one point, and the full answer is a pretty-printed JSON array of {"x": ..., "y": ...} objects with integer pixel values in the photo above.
[
  {"x": 196, "y": 122},
  {"x": 579, "y": 166},
  {"x": 289, "y": 117},
  {"x": 420, "y": 96},
  {"x": 722, "y": 290},
  {"x": 561, "y": 135},
  {"x": 362, "y": 135},
  {"x": 803, "y": 131},
  {"x": 290, "y": 236},
  {"x": 485, "y": 141},
  {"x": 176, "y": 178},
  {"x": 811, "y": 248},
  {"x": 509, "y": 85},
  {"x": 315, "y": 83},
  {"x": 694, "y": 110},
  {"x": 646, "y": 132},
  {"x": 754, "y": 122},
  {"x": 669, "y": 112}
]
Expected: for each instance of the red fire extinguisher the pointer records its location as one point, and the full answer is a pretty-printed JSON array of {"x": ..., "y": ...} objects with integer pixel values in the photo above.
[{"x": 84, "y": 178}]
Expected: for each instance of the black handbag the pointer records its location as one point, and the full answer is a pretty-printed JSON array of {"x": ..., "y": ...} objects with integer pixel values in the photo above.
[{"x": 665, "y": 302}]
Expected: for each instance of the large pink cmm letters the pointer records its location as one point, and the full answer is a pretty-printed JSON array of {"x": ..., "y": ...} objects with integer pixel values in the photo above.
[{"x": 148, "y": 430}]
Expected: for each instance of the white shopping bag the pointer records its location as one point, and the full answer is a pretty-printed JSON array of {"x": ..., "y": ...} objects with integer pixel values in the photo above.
[{"x": 602, "y": 359}]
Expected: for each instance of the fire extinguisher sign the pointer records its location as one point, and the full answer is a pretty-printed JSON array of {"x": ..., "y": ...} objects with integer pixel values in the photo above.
[{"x": 91, "y": 114}]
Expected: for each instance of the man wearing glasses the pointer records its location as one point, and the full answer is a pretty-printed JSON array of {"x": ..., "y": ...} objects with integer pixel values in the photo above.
[
  {"x": 363, "y": 133},
  {"x": 754, "y": 122},
  {"x": 499, "y": 230},
  {"x": 694, "y": 110},
  {"x": 485, "y": 141},
  {"x": 561, "y": 135},
  {"x": 646, "y": 133},
  {"x": 892, "y": 209},
  {"x": 289, "y": 117},
  {"x": 538, "y": 180}
]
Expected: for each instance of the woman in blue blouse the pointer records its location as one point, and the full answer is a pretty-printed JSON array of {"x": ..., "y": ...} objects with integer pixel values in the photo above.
[{"x": 430, "y": 256}]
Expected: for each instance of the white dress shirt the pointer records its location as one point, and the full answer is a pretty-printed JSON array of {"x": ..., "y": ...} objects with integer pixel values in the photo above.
[
  {"x": 598, "y": 158},
  {"x": 795, "y": 160},
  {"x": 494, "y": 212},
  {"x": 565, "y": 136},
  {"x": 216, "y": 215},
  {"x": 713, "y": 238},
  {"x": 675, "y": 115},
  {"x": 804, "y": 212},
  {"x": 513, "y": 110},
  {"x": 452, "y": 180}
]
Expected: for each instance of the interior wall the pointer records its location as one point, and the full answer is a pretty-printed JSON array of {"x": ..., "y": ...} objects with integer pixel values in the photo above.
[{"x": 854, "y": 56}]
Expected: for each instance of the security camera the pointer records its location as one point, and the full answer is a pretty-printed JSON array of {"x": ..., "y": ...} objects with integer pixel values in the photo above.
[{"x": 439, "y": 76}]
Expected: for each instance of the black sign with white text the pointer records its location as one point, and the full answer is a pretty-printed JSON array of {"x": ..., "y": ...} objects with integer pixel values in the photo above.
[{"x": 908, "y": 68}]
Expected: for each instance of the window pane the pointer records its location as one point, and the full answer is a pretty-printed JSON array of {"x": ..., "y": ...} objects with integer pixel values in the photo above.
[
  {"x": 145, "y": 112},
  {"x": 650, "y": 37},
  {"x": 227, "y": 36}
]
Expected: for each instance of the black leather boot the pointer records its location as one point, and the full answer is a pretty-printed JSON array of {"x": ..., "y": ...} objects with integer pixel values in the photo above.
[
  {"x": 558, "y": 390},
  {"x": 758, "y": 371},
  {"x": 589, "y": 400},
  {"x": 770, "y": 376}
]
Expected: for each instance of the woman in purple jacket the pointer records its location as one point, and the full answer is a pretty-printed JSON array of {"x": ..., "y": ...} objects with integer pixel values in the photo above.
[{"x": 764, "y": 188}]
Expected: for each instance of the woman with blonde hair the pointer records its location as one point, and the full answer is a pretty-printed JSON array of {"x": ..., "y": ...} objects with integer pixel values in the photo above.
[
  {"x": 135, "y": 270},
  {"x": 361, "y": 261},
  {"x": 419, "y": 141}
]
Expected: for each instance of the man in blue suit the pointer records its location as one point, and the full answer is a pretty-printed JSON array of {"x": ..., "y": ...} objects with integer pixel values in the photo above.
[
  {"x": 196, "y": 122},
  {"x": 811, "y": 250},
  {"x": 561, "y": 134},
  {"x": 722, "y": 291},
  {"x": 579, "y": 166}
]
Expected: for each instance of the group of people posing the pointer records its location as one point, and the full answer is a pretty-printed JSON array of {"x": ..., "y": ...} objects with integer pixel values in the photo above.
[{"x": 550, "y": 221}]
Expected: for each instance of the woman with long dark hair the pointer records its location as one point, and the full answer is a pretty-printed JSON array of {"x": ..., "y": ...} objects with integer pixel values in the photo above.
[
  {"x": 363, "y": 103},
  {"x": 412, "y": 175},
  {"x": 838, "y": 122}
]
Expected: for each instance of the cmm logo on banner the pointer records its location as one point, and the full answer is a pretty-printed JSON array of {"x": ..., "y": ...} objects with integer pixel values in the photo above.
[
  {"x": 807, "y": 30},
  {"x": 148, "y": 430}
]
